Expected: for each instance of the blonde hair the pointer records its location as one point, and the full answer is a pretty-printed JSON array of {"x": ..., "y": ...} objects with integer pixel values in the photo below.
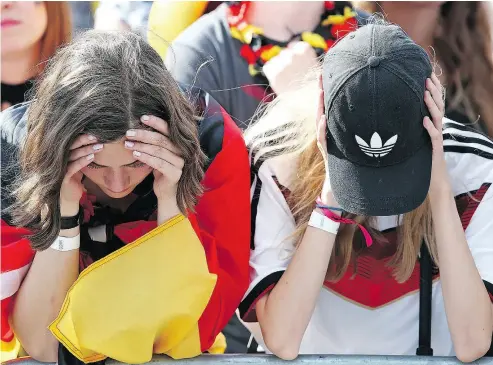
[
  {"x": 463, "y": 46},
  {"x": 287, "y": 126}
]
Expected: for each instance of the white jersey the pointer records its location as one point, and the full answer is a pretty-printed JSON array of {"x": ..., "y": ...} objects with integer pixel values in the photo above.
[{"x": 369, "y": 312}]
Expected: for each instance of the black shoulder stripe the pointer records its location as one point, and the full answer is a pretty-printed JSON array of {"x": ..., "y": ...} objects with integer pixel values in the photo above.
[
  {"x": 467, "y": 140},
  {"x": 463, "y": 127},
  {"x": 264, "y": 286},
  {"x": 468, "y": 149},
  {"x": 254, "y": 169}
]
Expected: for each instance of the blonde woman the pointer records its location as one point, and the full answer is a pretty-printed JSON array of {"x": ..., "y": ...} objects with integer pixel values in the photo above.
[{"x": 343, "y": 207}]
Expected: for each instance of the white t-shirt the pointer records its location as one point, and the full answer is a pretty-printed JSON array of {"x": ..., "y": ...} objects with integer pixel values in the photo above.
[{"x": 369, "y": 312}]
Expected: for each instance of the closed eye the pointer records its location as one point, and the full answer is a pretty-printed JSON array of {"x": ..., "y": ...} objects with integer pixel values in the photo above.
[
  {"x": 136, "y": 164},
  {"x": 92, "y": 165}
]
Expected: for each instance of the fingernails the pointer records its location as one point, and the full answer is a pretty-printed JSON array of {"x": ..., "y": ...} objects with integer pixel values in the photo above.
[
  {"x": 145, "y": 118},
  {"x": 137, "y": 153},
  {"x": 91, "y": 138},
  {"x": 131, "y": 133},
  {"x": 97, "y": 147},
  {"x": 90, "y": 157},
  {"x": 129, "y": 144}
]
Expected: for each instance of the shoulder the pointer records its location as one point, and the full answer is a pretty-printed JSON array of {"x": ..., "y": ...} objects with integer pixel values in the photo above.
[
  {"x": 216, "y": 129},
  {"x": 469, "y": 156},
  {"x": 205, "y": 33}
]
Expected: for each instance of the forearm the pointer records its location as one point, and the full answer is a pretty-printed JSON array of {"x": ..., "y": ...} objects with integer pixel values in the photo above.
[
  {"x": 166, "y": 209},
  {"x": 285, "y": 313},
  {"x": 467, "y": 304},
  {"x": 40, "y": 298}
]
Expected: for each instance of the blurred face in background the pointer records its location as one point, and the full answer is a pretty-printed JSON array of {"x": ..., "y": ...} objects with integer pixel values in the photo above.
[{"x": 23, "y": 25}]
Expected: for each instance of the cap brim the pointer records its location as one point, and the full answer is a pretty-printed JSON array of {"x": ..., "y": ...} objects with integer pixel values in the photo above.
[{"x": 381, "y": 191}]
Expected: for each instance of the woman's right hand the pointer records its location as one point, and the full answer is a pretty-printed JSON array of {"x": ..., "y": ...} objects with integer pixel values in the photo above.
[
  {"x": 326, "y": 195},
  {"x": 81, "y": 155}
]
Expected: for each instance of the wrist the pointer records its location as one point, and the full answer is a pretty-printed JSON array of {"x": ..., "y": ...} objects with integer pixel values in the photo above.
[
  {"x": 440, "y": 194},
  {"x": 327, "y": 198},
  {"x": 69, "y": 209},
  {"x": 167, "y": 209}
]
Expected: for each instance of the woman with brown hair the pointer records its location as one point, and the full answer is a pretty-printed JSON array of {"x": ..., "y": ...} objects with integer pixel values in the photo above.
[
  {"x": 458, "y": 37},
  {"x": 142, "y": 186},
  {"x": 31, "y": 33},
  {"x": 372, "y": 230}
]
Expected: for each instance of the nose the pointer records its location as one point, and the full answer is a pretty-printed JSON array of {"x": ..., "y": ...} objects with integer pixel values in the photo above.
[{"x": 117, "y": 180}]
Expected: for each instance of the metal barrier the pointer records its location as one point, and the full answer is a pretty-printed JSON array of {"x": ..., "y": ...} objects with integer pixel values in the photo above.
[{"x": 243, "y": 359}]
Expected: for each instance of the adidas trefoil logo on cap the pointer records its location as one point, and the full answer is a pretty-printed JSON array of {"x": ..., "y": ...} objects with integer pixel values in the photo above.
[{"x": 375, "y": 149}]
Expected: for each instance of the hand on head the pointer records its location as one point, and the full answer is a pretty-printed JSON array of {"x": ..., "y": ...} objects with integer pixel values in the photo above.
[
  {"x": 435, "y": 103},
  {"x": 81, "y": 155},
  {"x": 155, "y": 149},
  {"x": 326, "y": 195},
  {"x": 152, "y": 148}
]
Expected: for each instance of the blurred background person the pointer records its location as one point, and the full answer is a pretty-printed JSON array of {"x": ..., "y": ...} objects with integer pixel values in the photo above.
[
  {"x": 245, "y": 52},
  {"x": 82, "y": 15},
  {"x": 458, "y": 37},
  {"x": 168, "y": 19},
  {"x": 31, "y": 33},
  {"x": 123, "y": 15}
]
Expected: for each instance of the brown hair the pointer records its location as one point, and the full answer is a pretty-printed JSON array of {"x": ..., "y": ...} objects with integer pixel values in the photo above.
[
  {"x": 463, "y": 45},
  {"x": 58, "y": 30},
  {"x": 100, "y": 84},
  {"x": 287, "y": 127}
]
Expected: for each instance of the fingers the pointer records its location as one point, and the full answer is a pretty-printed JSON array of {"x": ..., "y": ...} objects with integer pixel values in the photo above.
[
  {"x": 85, "y": 151},
  {"x": 435, "y": 134},
  {"x": 321, "y": 135},
  {"x": 154, "y": 138},
  {"x": 77, "y": 165},
  {"x": 167, "y": 169},
  {"x": 320, "y": 105},
  {"x": 156, "y": 151},
  {"x": 156, "y": 123},
  {"x": 438, "y": 85},
  {"x": 83, "y": 140},
  {"x": 436, "y": 93},
  {"x": 436, "y": 114}
]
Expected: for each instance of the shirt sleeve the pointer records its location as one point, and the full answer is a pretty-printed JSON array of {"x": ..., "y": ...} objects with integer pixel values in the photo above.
[
  {"x": 272, "y": 239},
  {"x": 479, "y": 232},
  {"x": 469, "y": 156}
]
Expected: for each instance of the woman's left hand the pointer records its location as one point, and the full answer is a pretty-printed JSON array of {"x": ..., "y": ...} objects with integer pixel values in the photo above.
[
  {"x": 435, "y": 103},
  {"x": 155, "y": 149}
]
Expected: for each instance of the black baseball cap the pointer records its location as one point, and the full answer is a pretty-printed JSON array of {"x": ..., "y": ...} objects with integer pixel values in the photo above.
[{"x": 379, "y": 152}]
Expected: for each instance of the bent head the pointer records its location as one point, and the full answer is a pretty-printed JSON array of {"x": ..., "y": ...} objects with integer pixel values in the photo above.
[
  {"x": 366, "y": 160},
  {"x": 102, "y": 84},
  {"x": 115, "y": 170}
]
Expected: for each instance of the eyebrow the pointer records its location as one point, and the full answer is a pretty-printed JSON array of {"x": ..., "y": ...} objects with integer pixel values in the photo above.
[{"x": 127, "y": 165}]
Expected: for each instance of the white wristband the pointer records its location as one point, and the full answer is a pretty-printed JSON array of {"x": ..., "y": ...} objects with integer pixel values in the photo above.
[
  {"x": 320, "y": 221},
  {"x": 66, "y": 243}
]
